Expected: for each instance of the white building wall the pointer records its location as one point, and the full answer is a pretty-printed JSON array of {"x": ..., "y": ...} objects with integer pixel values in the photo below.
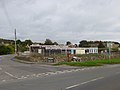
[
  {"x": 80, "y": 51},
  {"x": 83, "y": 50},
  {"x": 92, "y": 50},
  {"x": 65, "y": 48},
  {"x": 39, "y": 51}
]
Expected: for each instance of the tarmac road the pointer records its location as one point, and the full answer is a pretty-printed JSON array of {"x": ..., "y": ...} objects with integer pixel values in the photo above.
[
  {"x": 87, "y": 78},
  {"x": 10, "y": 70}
]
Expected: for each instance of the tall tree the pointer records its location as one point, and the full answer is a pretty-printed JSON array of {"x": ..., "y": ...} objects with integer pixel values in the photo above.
[
  {"x": 55, "y": 43},
  {"x": 28, "y": 42},
  {"x": 83, "y": 43},
  {"x": 23, "y": 45},
  {"x": 48, "y": 42},
  {"x": 68, "y": 43},
  {"x": 76, "y": 45},
  {"x": 19, "y": 42},
  {"x": 101, "y": 45}
]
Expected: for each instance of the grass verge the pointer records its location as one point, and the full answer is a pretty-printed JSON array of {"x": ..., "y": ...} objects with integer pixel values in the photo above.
[{"x": 91, "y": 63}]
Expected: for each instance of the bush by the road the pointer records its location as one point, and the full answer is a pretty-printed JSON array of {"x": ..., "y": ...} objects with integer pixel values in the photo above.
[{"x": 6, "y": 50}]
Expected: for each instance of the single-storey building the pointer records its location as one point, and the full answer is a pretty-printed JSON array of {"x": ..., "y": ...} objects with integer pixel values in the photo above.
[
  {"x": 61, "y": 49},
  {"x": 90, "y": 50}
]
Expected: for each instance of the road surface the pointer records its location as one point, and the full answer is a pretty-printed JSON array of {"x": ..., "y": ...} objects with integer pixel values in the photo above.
[
  {"x": 18, "y": 76},
  {"x": 10, "y": 69}
]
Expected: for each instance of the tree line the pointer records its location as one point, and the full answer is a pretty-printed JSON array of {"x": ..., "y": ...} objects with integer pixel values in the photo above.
[
  {"x": 24, "y": 45},
  {"x": 85, "y": 43},
  {"x": 7, "y": 46}
]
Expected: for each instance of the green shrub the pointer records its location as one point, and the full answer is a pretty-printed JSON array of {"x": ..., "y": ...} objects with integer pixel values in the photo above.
[{"x": 6, "y": 50}]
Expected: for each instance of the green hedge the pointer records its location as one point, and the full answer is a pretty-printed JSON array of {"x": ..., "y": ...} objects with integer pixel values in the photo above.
[{"x": 6, "y": 50}]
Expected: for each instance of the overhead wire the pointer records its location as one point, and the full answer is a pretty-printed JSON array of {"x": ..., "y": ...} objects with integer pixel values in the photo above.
[{"x": 6, "y": 13}]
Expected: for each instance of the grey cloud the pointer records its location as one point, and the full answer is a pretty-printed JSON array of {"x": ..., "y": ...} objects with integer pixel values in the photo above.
[{"x": 62, "y": 20}]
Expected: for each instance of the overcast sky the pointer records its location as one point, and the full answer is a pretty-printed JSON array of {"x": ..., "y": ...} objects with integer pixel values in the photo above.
[{"x": 60, "y": 20}]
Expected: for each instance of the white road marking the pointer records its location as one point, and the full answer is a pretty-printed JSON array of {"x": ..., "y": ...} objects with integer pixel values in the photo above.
[
  {"x": 22, "y": 77},
  {"x": 34, "y": 75},
  {"x": 53, "y": 73},
  {"x": 76, "y": 70},
  {"x": 27, "y": 75},
  {"x": 117, "y": 72},
  {"x": 92, "y": 80},
  {"x": 66, "y": 71},
  {"x": 3, "y": 80},
  {"x": 72, "y": 86},
  {"x": 72, "y": 70},
  {"x": 38, "y": 75},
  {"x": 9, "y": 74},
  {"x": 42, "y": 73},
  {"x": 50, "y": 72},
  {"x": 0, "y": 68},
  {"x": 82, "y": 69},
  {"x": 84, "y": 83},
  {"x": 59, "y": 72},
  {"x": 46, "y": 74}
]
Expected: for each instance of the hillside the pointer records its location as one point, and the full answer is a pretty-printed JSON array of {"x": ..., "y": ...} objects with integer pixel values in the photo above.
[{"x": 6, "y": 41}]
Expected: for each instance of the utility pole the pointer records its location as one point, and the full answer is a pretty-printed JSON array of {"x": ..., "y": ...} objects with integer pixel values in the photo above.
[{"x": 15, "y": 43}]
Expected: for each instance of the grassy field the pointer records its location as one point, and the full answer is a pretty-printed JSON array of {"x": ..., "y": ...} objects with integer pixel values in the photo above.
[{"x": 91, "y": 63}]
